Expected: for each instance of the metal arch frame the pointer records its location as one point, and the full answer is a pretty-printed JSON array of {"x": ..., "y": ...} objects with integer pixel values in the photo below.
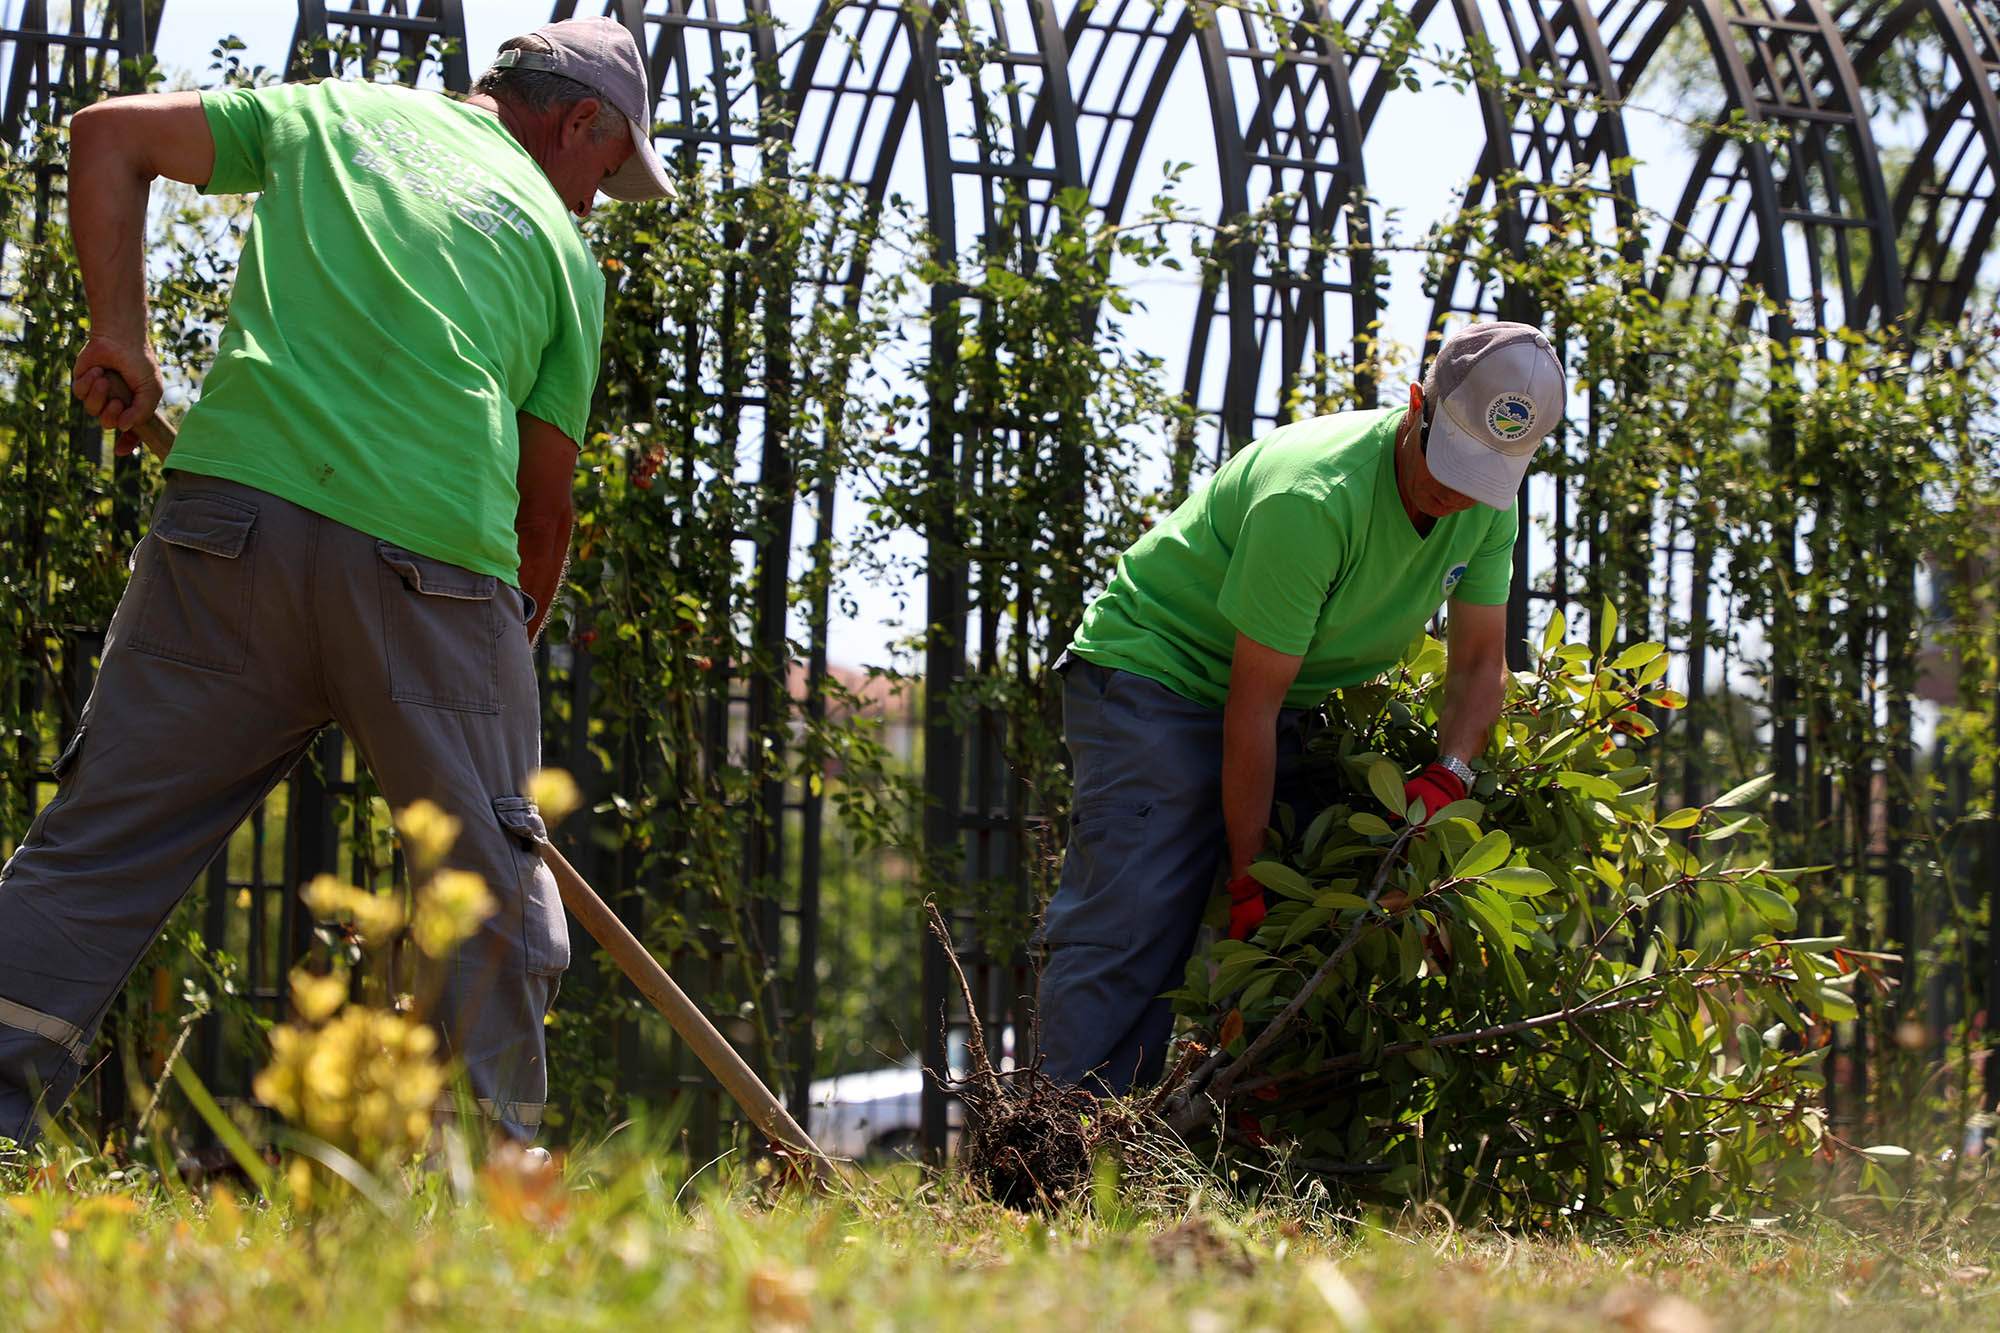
[
  {"x": 308, "y": 56},
  {"x": 129, "y": 27},
  {"x": 1606, "y": 143},
  {"x": 1972, "y": 43},
  {"x": 972, "y": 805},
  {"x": 969, "y": 798},
  {"x": 1248, "y": 301},
  {"x": 1775, "y": 200}
]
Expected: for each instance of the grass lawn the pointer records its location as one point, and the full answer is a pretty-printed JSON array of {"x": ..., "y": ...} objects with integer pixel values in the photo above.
[{"x": 624, "y": 1241}]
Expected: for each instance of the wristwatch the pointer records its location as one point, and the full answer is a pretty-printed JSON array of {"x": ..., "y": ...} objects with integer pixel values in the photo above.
[{"x": 1458, "y": 768}]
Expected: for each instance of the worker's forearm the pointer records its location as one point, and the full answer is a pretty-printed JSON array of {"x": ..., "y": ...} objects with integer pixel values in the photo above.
[
  {"x": 1471, "y": 706},
  {"x": 1249, "y": 769},
  {"x": 544, "y": 547},
  {"x": 107, "y": 212}
]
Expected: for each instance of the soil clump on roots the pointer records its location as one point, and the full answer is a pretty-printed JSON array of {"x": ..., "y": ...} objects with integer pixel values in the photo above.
[
  {"x": 1030, "y": 1144},
  {"x": 1029, "y": 1140}
]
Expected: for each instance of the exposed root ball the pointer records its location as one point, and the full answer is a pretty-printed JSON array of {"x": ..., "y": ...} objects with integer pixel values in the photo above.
[{"x": 1031, "y": 1145}]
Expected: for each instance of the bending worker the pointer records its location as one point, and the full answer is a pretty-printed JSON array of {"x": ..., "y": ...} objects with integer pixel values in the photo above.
[
  {"x": 1307, "y": 563},
  {"x": 364, "y": 521}
]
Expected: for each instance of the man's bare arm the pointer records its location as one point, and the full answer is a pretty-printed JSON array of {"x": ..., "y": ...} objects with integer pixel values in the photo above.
[
  {"x": 1475, "y": 678},
  {"x": 1258, "y": 680},
  {"x": 542, "y": 523},
  {"x": 117, "y": 149}
]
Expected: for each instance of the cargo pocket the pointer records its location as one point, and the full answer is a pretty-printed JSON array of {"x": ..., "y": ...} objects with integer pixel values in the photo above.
[
  {"x": 66, "y": 761},
  {"x": 1104, "y": 871},
  {"x": 195, "y": 599},
  {"x": 439, "y": 630},
  {"x": 544, "y": 928}
]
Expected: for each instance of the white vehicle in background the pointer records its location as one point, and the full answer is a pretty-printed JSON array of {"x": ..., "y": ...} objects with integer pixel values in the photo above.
[{"x": 878, "y": 1114}]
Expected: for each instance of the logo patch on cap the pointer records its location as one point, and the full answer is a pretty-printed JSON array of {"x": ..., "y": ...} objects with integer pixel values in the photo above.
[{"x": 1511, "y": 415}]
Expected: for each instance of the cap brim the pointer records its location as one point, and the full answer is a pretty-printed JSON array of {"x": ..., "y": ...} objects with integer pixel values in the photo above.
[
  {"x": 1460, "y": 461},
  {"x": 644, "y": 175}
]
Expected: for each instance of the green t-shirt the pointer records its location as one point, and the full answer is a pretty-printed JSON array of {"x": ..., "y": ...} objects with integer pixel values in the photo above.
[
  {"x": 1301, "y": 542},
  {"x": 410, "y": 281}
]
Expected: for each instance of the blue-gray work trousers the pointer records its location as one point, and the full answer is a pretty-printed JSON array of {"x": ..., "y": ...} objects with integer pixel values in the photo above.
[
  {"x": 1146, "y": 849},
  {"x": 249, "y": 625}
]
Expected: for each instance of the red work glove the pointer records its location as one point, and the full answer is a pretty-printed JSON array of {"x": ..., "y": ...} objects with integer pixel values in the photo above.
[
  {"x": 1246, "y": 907},
  {"x": 1437, "y": 787}
]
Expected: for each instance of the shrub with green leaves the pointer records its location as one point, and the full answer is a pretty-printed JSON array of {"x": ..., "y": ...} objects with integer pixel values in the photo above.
[{"x": 1550, "y": 999}]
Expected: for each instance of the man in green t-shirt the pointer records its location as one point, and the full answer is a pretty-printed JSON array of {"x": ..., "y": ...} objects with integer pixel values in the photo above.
[
  {"x": 364, "y": 521},
  {"x": 1307, "y": 563}
]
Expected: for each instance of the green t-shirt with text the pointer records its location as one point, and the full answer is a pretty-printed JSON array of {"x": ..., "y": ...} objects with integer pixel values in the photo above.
[
  {"x": 411, "y": 280},
  {"x": 1301, "y": 543}
]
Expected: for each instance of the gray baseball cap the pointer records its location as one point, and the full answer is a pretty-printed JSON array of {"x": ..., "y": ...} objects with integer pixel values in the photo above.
[
  {"x": 602, "y": 54},
  {"x": 1499, "y": 392}
]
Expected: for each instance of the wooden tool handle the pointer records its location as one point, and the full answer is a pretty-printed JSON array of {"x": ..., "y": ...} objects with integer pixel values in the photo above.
[
  {"x": 155, "y": 432},
  {"x": 693, "y": 1026}
]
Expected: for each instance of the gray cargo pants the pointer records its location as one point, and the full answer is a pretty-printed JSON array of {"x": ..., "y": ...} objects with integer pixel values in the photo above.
[
  {"x": 1146, "y": 852},
  {"x": 250, "y": 624}
]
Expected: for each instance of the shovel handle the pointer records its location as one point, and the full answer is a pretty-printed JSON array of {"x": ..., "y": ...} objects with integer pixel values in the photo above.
[
  {"x": 155, "y": 432},
  {"x": 688, "y": 1021}
]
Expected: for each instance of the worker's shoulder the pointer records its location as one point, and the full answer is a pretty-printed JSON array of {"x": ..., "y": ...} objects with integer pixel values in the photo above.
[{"x": 1324, "y": 456}]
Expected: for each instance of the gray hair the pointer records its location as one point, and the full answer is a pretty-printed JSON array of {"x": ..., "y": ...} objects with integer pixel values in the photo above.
[{"x": 538, "y": 90}]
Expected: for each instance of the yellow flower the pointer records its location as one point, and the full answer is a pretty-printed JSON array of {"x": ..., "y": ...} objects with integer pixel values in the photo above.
[
  {"x": 449, "y": 909},
  {"x": 316, "y": 998},
  {"x": 365, "y": 1083},
  {"x": 554, "y": 793},
  {"x": 428, "y": 834},
  {"x": 375, "y": 917}
]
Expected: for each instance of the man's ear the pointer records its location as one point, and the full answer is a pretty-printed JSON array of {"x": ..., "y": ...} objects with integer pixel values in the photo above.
[{"x": 576, "y": 121}]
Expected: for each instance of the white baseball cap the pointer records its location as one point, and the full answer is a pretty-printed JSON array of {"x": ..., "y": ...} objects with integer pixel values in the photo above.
[
  {"x": 602, "y": 55},
  {"x": 1499, "y": 391}
]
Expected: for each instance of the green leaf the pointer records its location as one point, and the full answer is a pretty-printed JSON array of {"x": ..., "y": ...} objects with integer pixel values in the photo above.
[
  {"x": 1753, "y": 790},
  {"x": 1638, "y": 655},
  {"x": 1684, "y": 818},
  {"x": 1316, "y": 834},
  {"x": 1836, "y": 1006},
  {"x": 1886, "y": 1153},
  {"x": 1373, "y": 826},
  {"x": 1771, "y": 906},
  {"x": 1604, "y": 789},
  {"x": 1281, "y": 878},
  {"x": 1495, "y": 925},
  {"x": 1386, "y": 781},
  {"x": 1555, "y": 631},
  {"x": 1467, "y": 809},
  {"x": 1521, "y": 881},
  {"x": 1310, "y": 920},
  {"x": 1728, "y": 831},
  {"x": 1338, "y": 900},
  {"x": 1489, "y": 852},
  {"x": 1607, "y": 627},
  {"x": 1409, "y": 951},
  {"x": 1428, "y": 1061},
  {"x": 1750, "y": 1043}
]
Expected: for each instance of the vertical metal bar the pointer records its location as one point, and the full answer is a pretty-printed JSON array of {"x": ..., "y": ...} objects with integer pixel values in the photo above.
[{"x": 1992, "y": 996}]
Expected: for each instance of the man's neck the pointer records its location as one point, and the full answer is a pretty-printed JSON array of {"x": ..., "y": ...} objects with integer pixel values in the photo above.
[
  {"x": 525, "y": 129},
  {"x": 1406, "y": 453}
]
